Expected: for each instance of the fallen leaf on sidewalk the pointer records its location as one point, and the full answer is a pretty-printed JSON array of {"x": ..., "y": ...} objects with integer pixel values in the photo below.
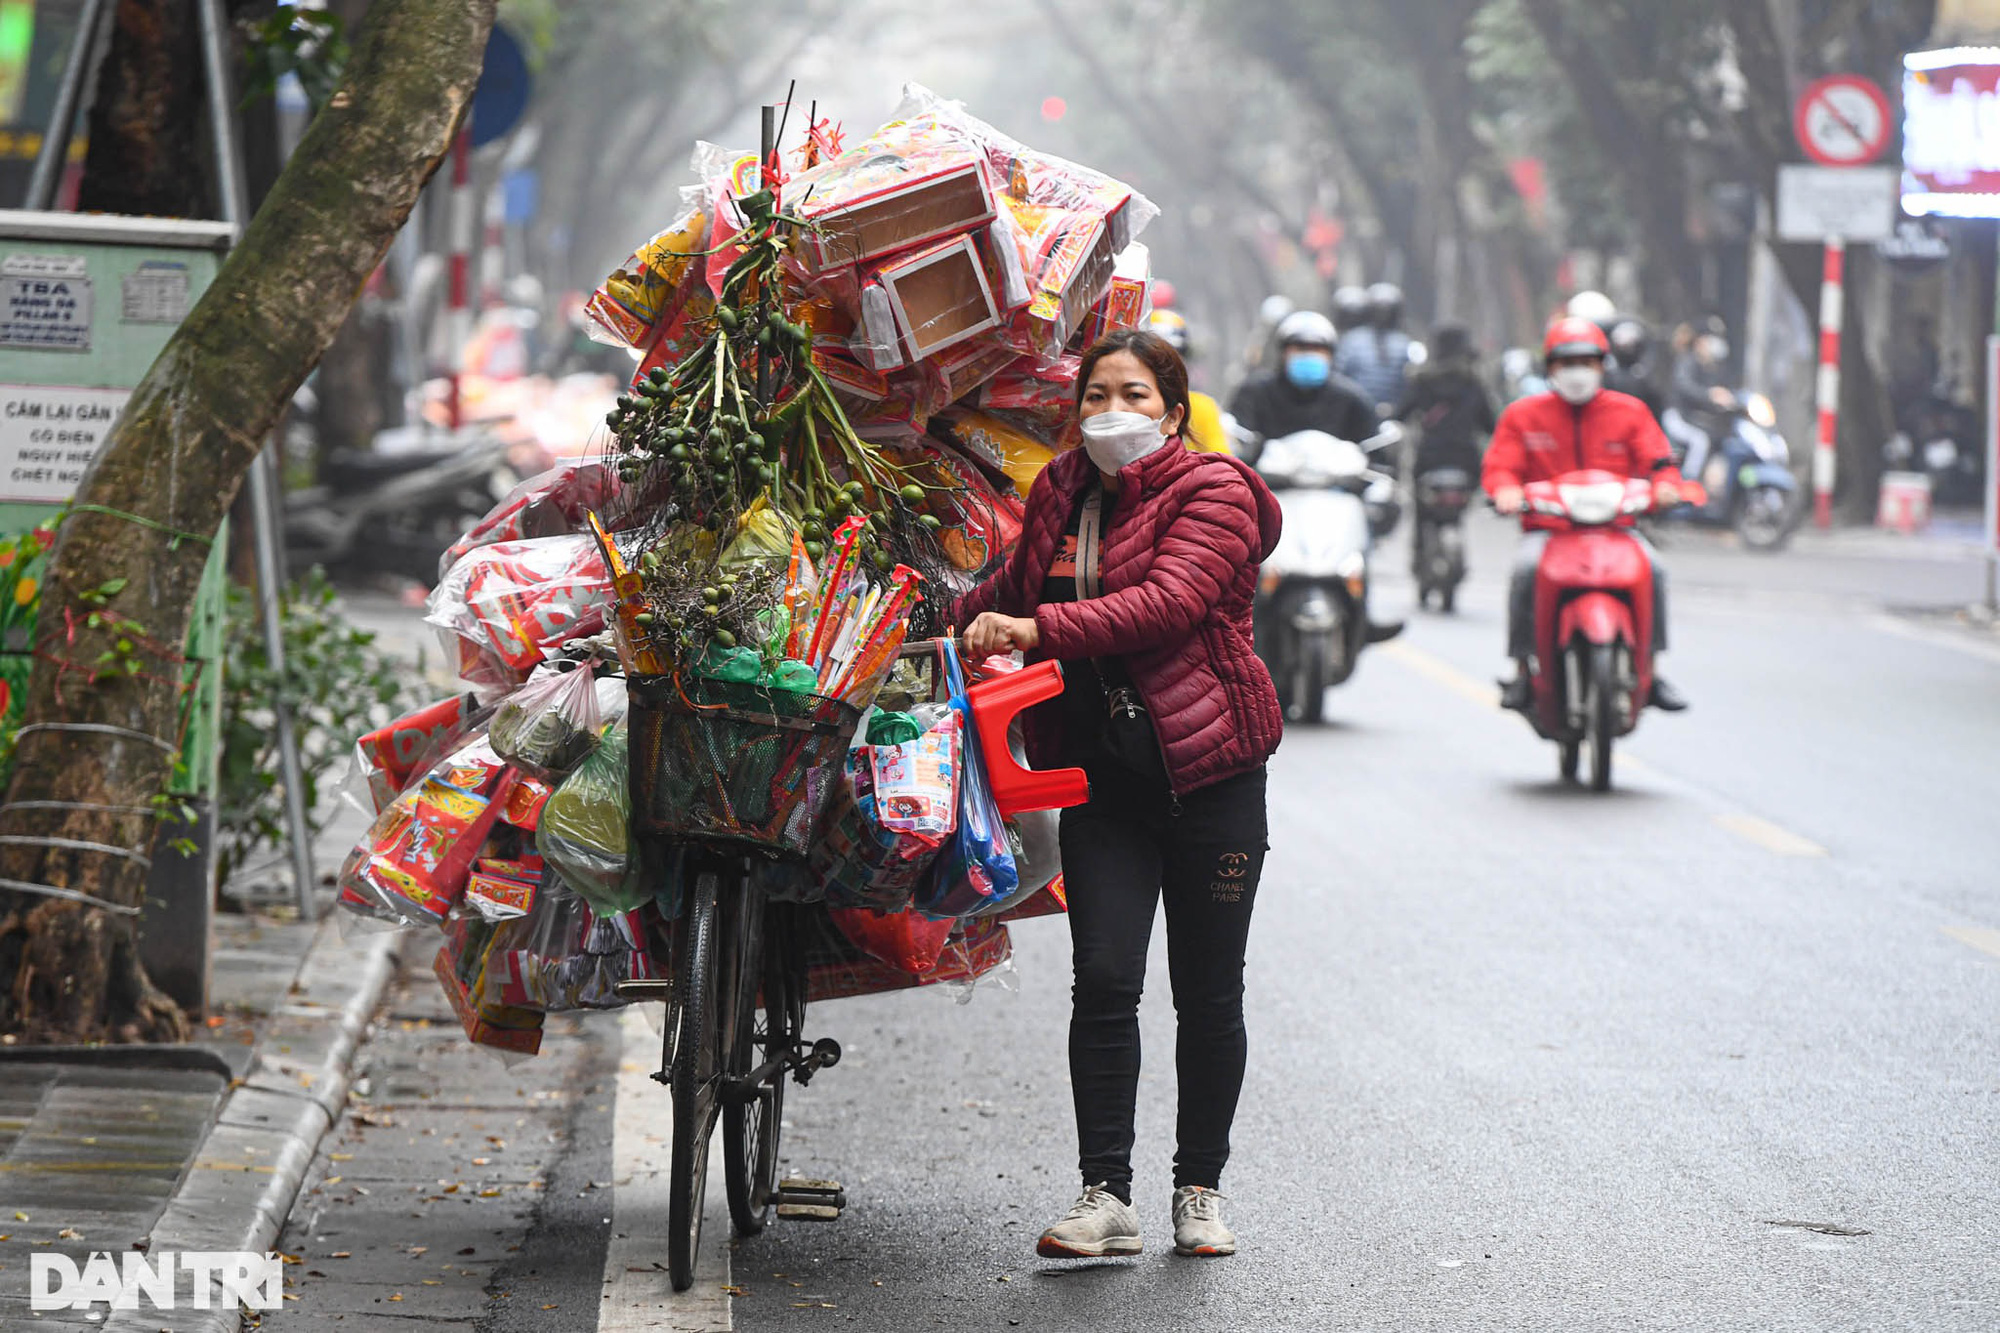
[
  {"x": 482, "y": 1161},
  {"x": 733, "y": 1291},
  {"x": 340, "y": 1254},
  {"x": 489, "y": 1194},
  {"x": 20, "y": 1217},
  {"x": 69, "y": 1233},
  {"x": 548, "y": 1307},
  {"x": 335, "y": 1180},
  {"x": 416, "y": 1250},
  {"x": 341, "y": 1156},
  {"x": 397, "y": 1297}
]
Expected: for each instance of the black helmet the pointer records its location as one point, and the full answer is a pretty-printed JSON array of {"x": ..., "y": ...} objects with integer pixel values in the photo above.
[
  {"x": 1452, "y": 342},
  {"x": 1385, "y": 304},
  {"x": 1630, "y": 340},
  {"x": 1350, "y": 308}
]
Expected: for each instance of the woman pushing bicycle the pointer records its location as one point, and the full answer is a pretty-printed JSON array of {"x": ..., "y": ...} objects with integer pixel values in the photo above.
[{"x": 1136, "y": 568}]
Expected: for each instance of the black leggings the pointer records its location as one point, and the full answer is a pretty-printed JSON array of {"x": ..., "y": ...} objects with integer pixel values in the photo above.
[{"x": 1122, "y": 854}]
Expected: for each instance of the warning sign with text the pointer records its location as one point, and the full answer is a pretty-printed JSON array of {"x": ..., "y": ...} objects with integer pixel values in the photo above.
[
  {"x": 49, "y": 312},
  {"x": 50, "y": 436}
]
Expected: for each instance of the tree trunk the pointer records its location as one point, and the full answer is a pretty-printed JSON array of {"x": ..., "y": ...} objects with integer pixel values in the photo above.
[
  {"x": 101, "y": 736},
  {"x": 1648, "y": 167},
  {"x": 146, "y": 125}
]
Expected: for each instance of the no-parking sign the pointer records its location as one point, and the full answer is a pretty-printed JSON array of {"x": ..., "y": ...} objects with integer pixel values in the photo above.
[{"x": 1842, "y": 120}]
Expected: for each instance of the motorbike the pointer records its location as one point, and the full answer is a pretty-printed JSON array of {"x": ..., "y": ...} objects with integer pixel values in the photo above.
[
  {"x": 395, "y": 511},
  {"x": 1743, "y": 464},
  {"x": 1311, "y": 616},
  {"x": 1592, "y": 670},
  {"x": 1941, "y": 438},
  {"x": 1442, "y": 495}
]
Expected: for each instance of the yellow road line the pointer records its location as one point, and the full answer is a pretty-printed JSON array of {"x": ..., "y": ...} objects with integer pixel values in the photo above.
[
  {"x": 1763, "y": 832},
  {"x": 1769, "y": 836},
  {"x": 1979, "y": 937}
]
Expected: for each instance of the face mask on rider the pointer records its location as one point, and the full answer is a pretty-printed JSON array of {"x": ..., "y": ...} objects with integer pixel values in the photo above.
[
  {"x": 1308, "y": 370},
  {"x": 1115, "y": 439},
  {"x": 1576, "y": 385}
]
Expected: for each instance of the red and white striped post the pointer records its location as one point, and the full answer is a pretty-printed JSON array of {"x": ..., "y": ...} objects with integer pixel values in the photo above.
[
  {"x": 458, "y": 323},
  {"x": 1828, "y": 389}
]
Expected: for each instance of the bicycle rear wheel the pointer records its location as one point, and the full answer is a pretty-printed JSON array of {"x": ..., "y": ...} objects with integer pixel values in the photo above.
[{"x": 693, "y": 1073}]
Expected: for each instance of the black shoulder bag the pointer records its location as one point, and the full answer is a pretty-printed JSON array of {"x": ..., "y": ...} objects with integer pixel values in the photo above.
[{"x": 1129, "y": 737}]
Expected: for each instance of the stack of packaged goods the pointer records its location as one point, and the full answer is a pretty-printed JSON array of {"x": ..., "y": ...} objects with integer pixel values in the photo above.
[{"x": 847, "y": 380}]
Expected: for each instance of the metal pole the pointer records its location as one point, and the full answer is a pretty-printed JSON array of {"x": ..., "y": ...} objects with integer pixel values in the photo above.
[
  {"x": 1831, "y": 308},
  {"x": 262, "y": 479},
  {"x": 62, "y": 122}
]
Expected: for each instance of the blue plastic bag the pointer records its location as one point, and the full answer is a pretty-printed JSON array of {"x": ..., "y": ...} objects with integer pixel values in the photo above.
[{"x": 976, "y": 867}]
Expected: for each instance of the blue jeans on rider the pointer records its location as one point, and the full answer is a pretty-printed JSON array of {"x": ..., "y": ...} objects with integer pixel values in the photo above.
[{"x": 1521, "y": 595}]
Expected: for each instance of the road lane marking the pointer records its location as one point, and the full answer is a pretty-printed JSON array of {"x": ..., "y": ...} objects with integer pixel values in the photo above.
[
  {"x": 1957, "y": 642},
  {"x": 1769, "y": 836},
  {"x": 1979, "y": 937},
  {"x": 639, "y": 1296},
  {"x": 1762, "y": 832}
]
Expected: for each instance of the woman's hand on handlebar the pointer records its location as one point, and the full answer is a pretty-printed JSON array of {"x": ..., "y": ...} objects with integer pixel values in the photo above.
[{"x": 993, "y": 633}]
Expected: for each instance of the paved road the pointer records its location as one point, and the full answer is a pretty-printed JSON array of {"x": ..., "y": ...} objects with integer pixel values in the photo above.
[{"x": 1715, "y": 1051}]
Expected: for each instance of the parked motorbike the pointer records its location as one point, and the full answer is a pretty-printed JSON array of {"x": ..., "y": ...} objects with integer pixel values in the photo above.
[
  {"x": 1592, "y": 670},
  {"x": 1743, "y": 464},
  {"x": 1943, "y": 439},
  {"x": 1311, "y": 614},
  {"x": 1439, "y": 557},
  {"x": 395, "y": 512}
]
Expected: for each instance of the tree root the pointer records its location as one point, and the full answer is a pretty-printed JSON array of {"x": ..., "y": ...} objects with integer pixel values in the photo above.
[{"x": 79, "y": 979}]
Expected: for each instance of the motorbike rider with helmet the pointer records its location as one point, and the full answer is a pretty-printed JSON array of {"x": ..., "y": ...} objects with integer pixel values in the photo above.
[
  {"x": 1350, "y": 309},
  {"x": 1577, "y": 424},
  {"x": 1203, "y": 432},
  {"x": 1449, "y": 400},
  {"x": 1376, "y": 355},
  {"x": 1302, "y": 392},
  {"x": 1628, "y": 371}
]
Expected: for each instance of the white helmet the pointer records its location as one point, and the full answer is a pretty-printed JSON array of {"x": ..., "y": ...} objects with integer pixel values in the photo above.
[
  {"x": 1594, "y": 306},
  {"x": 1275, "y": 308},
  {"x": 1306, "y": 328}
]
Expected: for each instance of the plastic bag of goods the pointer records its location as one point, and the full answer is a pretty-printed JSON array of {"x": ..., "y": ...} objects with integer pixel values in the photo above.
[
  {"x": 391, "y": 757},
  {"x": 510, "y": 603},
  {"x": 413, "y": 864},
  {"x": 907, "y": 941},
  {"x": 976, "y": 867},
  {"x": 869, "y": 856},
  {"x": 550, "y": 725},
  {"x": 836, "y": 967},
  {"x": 585, "y": 830},
  {"x": 627, "y": 308},
  {"x": 548, "y": 504}
]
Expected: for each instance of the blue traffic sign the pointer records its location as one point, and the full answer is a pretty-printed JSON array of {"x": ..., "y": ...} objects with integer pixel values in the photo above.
[{"x": 504, "y": 87}]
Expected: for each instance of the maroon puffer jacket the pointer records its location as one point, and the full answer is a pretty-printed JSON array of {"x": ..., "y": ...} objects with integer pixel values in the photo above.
[{"x": 1181, "y": 550}]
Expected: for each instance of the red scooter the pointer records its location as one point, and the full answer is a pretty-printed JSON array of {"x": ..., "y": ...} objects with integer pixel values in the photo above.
[{"x": 1593, "y": 666}]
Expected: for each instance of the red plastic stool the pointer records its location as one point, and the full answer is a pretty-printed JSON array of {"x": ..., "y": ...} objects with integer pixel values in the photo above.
[{"x": 995, "y": 703}]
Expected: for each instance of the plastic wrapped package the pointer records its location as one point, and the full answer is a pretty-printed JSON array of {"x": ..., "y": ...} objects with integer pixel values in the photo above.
[
  {"x": 392, "y": 756},
  {"x": 501, "y": 890},
  {"x": 849, "y": 378},
  {"x": 585, "y": 832},
  {"x": 957, "y": 373},
  {"x": 1070, "y": 260},
  {"x": 510, "y": 603},
  {"x": 916, "y": 782},
  {"x": 564, "y": 955},
  {"x": 413, "y": 864},
  {"x": 837, "y": 968},
  {"x": 1129, "y": 301},
  {"x": 626, "y": 308},
  {"x": 877, "y": 342},
  {"x": 510, "y": 1029},
  {"x": 907, "y": 941},
  {"x": 867, "y": 203},
  {"x": 525, "y": 803},
  {"x": 550, "y": 725},
  {"x": 939, "y": 297},
  {"x": 1044, "y": 391},
  {"x": 548, "y": 504},
  {"x": 860, "y": 863},
  {"x": 1019, "y": 453}
]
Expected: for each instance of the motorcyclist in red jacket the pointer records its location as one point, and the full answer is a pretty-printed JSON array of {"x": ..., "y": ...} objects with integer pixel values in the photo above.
[{"x": 1577, "y": 424}]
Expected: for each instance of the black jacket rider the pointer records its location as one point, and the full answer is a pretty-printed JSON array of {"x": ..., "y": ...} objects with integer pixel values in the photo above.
[{"x": 1272, "y": 406}]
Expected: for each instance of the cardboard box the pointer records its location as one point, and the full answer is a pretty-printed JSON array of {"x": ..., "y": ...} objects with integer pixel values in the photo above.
[
  {"x": 1130, "y": 299},
  {"x": 501, "y": 1027},
  {"x": 870, "y": 204},
  {"x": 939, "y": 296}
]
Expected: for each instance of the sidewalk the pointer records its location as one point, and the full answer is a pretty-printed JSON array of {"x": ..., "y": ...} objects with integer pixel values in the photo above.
[{"x": 199, "y": 1147}]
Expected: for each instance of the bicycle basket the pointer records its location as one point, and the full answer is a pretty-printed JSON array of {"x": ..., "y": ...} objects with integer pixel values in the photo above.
[{"x": 722, "y": 762}]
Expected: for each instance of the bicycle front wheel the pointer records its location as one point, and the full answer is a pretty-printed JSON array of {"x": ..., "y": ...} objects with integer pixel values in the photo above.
[
  {"x": 752, "y": 1116},
  {"x": 693, "y": 1075}
]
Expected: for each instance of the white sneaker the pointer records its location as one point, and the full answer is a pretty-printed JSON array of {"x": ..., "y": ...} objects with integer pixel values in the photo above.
[
  {"x": 1198, "y": 1225},
  {"x": 1097, "y": 1224}
]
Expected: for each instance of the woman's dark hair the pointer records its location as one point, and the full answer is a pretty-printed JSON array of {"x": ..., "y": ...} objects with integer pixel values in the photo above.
[{"x": 1155, "y": 353}]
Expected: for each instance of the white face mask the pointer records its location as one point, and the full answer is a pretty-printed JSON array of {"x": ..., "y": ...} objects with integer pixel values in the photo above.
[
  {"x": 1115, "y": 439},
  {"x": 1577, "y": 385}
]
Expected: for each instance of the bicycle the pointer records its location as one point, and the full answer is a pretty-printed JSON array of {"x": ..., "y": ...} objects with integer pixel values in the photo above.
[{"x": 736, "y": 997}]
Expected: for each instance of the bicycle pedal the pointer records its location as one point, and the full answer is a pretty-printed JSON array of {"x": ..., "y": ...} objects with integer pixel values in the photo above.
[
  {"x": 644, "y": 988},
  {"x": 808, "y": 1212},
  {"x": 811, "y": 1194}
]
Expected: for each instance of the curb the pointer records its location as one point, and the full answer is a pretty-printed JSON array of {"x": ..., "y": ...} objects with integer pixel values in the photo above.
[{"x": 238, "y": 1191}]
